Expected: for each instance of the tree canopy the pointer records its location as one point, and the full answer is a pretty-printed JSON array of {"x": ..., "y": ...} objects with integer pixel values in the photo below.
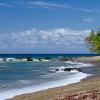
[{"x": 93, "y": 40}]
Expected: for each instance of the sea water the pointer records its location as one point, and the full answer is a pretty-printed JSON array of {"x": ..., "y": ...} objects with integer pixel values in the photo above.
[{"x": 23, "y": 77}]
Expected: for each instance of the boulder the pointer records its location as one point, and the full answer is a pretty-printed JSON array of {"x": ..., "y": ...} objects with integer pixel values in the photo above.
[
  {"x": 29, "y": 59},
  {"x": 70, "y": 69}
]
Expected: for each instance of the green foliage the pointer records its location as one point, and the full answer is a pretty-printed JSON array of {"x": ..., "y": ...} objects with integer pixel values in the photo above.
[{"x": 94, "y": 40}]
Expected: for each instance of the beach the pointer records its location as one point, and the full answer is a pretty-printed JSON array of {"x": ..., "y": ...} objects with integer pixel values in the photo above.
[
  {"x": 61, "y": 92},
  {"x": 89, "y": 85}
]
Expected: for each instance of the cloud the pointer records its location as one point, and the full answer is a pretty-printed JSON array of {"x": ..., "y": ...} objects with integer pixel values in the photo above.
[
  {"x": 82, "y": 9},
  {"x": 46, "y": 5},
  {"x": 88, "y": 19},
  {"x": 5, "y": 5},
  {"x": 60, "y": 39},
  {"x": 56, "y": 5}
]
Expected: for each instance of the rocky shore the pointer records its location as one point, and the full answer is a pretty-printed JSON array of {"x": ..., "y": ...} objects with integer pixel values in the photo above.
[{"x": 38, "y": 59}]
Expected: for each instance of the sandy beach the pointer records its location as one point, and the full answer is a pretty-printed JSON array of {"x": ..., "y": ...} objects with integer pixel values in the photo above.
[
  {"x": 83, "y": 90},
  {"x": 91, "y": 59},
  {"x": 61, "y": 92}
]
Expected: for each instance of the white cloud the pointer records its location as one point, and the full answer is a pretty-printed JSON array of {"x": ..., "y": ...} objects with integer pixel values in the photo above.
[
  {"x": 46, "y": 5},
  {"x": 82, "y": 9},
  {"x": 61, "y": 38},
  {"x": 32, "y": 4},
  {"x": 56, "y": 5},
  {"x": 5, "y": 5},
  {"x": 88, "y": 19}
]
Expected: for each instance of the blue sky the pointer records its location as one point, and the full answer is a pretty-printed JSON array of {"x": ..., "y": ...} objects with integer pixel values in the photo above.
[{"x": 47, "y": 26}]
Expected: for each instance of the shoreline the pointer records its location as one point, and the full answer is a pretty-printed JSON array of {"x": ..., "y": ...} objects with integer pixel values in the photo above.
[
  {"x": 59, "y": 92},
  {"x": 43, "y": 87}
]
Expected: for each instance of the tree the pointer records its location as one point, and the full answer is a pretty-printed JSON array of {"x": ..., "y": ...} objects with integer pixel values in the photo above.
[{"x": 93, "y": 40}]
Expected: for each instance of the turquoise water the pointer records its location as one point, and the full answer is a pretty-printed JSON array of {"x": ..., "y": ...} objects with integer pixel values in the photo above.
[
  {"x": 25, "y": 77},
  {"x": 18, "y": 74}
]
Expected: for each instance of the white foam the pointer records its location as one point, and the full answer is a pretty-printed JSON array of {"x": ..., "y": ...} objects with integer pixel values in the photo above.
[
  {"x": 79, "y": 64},
  {"x": 23, "y": 82},
  {"x": 36, "y": 60},
  {"x": 45, "y": 60},
  {"x": 73, "y": 79},
  {"x": 74, "y": 71},
  {"x": 60, "y": 69}
]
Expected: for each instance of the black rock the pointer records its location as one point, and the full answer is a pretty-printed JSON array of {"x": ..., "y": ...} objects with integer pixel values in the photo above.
[
  {"x": 29, "y": 59},
  {"x": 70, "y": 69}
]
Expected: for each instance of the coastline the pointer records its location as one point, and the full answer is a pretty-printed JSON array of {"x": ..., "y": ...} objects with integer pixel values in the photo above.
[
  {"x": 49, "y": 85},
  {"x": 92, "y": 84},
  {"x": 60, "y": 92}
]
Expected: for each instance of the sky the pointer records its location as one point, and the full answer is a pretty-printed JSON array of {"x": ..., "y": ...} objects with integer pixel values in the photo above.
[{"x": 47, "y": 26}]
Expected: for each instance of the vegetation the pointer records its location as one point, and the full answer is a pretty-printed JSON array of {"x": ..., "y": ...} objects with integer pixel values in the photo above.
[{"x": 93, "y": 40}]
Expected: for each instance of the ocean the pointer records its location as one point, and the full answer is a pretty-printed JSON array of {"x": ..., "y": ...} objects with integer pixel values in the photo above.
[
  {"x": 45, "y": 55},
  {"x": 24, "y": 77}
]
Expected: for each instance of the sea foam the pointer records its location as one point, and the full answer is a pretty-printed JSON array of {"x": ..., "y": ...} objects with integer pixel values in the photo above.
[
  {"x": 75, "y": 77},
  {"x": 79, "y": 64},
  {"x": 69, "y": 80}
]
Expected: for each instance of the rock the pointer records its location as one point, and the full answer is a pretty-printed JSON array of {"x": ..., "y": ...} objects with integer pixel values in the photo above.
[
  {"x": 56, "y": 69},
  {"x": 4, "y": 59},
  {"x": 70, "y": 69},
  {"x": 65, "y": 69},
  {"x": 29, "y": 59}
]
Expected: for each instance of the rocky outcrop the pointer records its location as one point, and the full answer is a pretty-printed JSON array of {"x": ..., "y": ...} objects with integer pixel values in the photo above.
[
  {"x": 56, "y": 70},
  {"x": 29, "y": 59},
  {"x": 70, "y": 69}
]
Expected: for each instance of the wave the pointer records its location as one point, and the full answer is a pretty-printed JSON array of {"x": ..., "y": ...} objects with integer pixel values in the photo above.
[
  {"x": 3, "y": 66},
  {"x": 65, "y": 79},
  {"x": 79, "y": 64},
  {"x": 57, "y": 69},
  {"x": 72, "y": 67},
  {"x": 62, "y": 69},
  {"x": 72, "y": 79},
  {"x": 16, "y": 84},
  {"x": 23, "y": 82}
]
